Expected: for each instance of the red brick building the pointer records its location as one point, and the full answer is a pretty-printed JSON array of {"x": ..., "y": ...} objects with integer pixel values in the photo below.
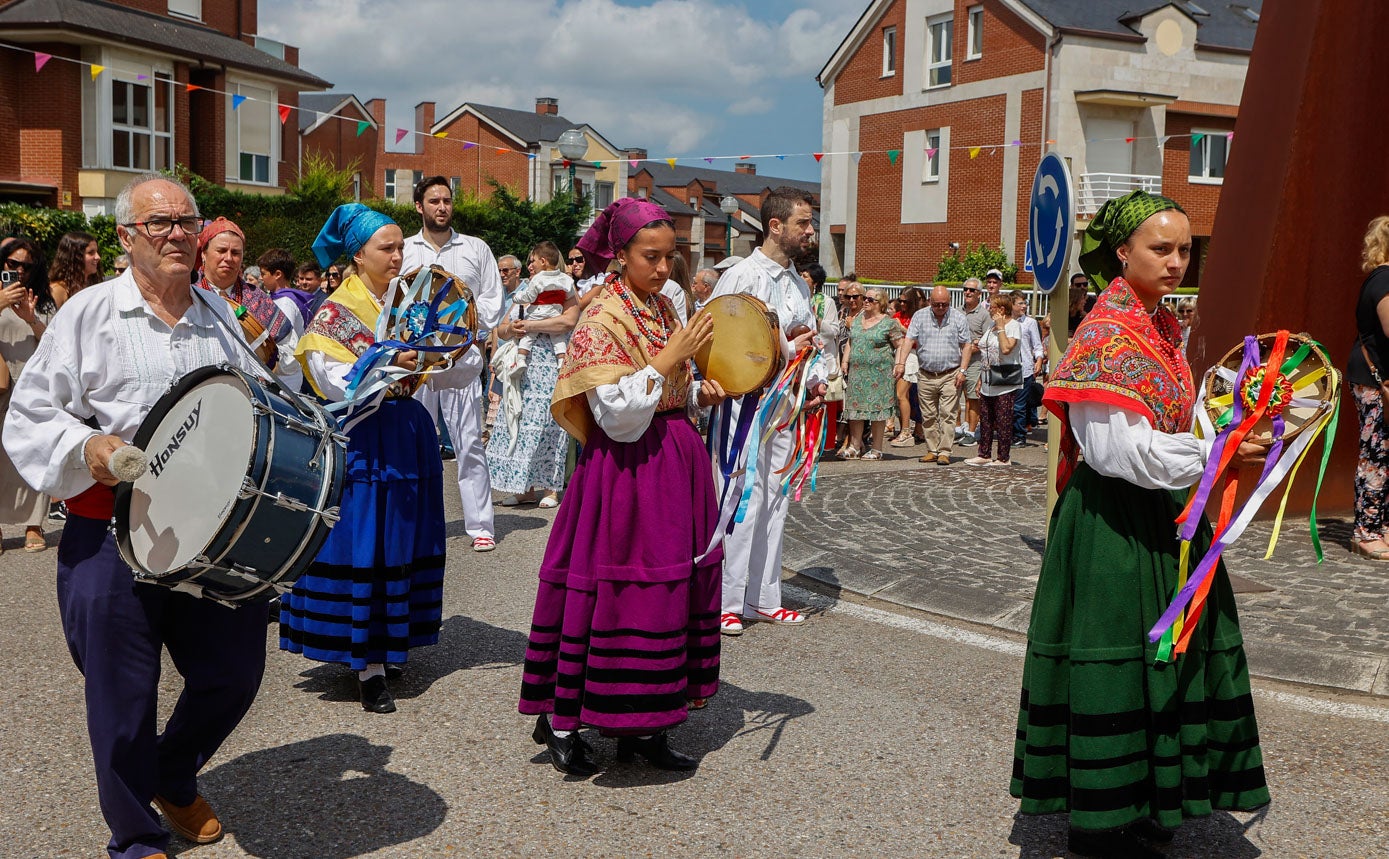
[
  {"x": 181, "y": 82},
  {"x": 966, "y": 95}
]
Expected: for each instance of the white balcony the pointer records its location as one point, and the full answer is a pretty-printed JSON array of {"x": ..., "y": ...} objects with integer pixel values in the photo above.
[{"x": 1096, "y": 188}]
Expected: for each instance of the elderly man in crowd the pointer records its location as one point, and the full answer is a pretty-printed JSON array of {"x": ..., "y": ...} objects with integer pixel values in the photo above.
[
  {"x": 102, "y": 362},
  {"x": 703, "y": 287},
  {"x": 941, "y": 338}
]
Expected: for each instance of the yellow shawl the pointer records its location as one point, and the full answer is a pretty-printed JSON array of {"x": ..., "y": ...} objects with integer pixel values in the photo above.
[
  {"x": 606, "y": 346},
  {"x": 342, "y": 336}
]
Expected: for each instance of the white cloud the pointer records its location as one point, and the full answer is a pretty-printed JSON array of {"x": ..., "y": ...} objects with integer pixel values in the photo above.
[{"x": 665, "y": 75}]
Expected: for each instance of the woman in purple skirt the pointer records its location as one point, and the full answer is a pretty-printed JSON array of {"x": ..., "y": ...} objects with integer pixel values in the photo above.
[{"x": 625, "y": 636}]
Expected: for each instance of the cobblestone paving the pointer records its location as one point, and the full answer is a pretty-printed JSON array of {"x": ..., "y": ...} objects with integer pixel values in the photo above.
[{"x": 967, "y": 542}]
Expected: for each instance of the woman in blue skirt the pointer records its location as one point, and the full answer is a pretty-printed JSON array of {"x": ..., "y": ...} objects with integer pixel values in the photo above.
[{"x": 376, "y": 588}]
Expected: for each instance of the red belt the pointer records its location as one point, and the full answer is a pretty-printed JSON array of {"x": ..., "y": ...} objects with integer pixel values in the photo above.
[
  {"x": 551, "y": 296},
  {"x": 98, "y": 502}
]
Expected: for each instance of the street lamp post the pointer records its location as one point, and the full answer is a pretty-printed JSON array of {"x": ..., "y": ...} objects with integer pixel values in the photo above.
[
  {"x": 573, "y": 146},
  {"x": 729, "y": 205}
]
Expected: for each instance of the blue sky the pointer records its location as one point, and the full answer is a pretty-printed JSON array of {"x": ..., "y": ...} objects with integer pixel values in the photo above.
[{"x": 683, "y": 78}]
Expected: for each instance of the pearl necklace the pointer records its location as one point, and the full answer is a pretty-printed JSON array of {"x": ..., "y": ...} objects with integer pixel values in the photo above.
[{"x": 651, "y": 308}]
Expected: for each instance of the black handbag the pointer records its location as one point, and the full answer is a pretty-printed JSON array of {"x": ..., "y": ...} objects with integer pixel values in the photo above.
[{"x": 1004, "y": 375}]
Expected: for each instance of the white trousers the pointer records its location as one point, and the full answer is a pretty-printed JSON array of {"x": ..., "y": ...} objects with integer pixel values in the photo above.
[
  {"x": 461, "y": 411},
  {"x": 752, "y": 553}
]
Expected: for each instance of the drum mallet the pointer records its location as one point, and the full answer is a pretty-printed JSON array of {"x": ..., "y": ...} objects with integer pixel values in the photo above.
[{"x": 128, "y": 463}]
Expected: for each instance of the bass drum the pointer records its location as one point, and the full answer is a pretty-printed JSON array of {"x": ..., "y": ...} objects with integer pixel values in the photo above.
[
  {"x": 242, "y": 487},
  {"x": 745, "y": 352}
]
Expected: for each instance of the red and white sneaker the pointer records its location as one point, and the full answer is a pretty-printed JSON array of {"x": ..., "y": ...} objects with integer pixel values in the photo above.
[
  {"x": 730, "y": 624},
  {"x": 778, "y": 615},
  {"x": 484, "y": 544}
]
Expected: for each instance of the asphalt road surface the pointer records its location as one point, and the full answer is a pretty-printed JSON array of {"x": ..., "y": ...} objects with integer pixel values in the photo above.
[{"x": 867, "y": 732}]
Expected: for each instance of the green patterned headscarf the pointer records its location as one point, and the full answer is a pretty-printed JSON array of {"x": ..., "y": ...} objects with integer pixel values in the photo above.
[{"x": 1116, "y": 220}]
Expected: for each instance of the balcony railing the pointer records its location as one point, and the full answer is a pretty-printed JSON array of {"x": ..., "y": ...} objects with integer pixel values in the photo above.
[{"x": 1096, "y": 188}]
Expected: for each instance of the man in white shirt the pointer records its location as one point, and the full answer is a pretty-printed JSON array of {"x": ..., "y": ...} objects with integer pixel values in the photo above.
[
  {"x": 703, "y": 287},
  {"x": 752, "y": 553},
  {"x": 1033, "y": 354},
  {"x": 455, "y": 395},
  {"x": 100, "y": 366}
]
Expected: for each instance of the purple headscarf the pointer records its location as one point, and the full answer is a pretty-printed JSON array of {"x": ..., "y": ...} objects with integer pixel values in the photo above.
[{"x": 614, "y": 228}]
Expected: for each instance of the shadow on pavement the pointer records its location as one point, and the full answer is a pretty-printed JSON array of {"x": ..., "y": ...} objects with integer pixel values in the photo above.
[
  {"x": 505, "y": 523},
  {"x": 464, "y": 644},
  {"x": 1044, "y": 837},
  {"x": 330, "y": 798}
]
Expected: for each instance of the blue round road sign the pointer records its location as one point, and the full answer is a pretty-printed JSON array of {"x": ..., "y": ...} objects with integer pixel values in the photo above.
[{"x": 1051, "y": 220}]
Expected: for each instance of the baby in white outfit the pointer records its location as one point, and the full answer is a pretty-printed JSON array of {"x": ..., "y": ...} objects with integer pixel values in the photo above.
[{"x": 544, "y": 297}]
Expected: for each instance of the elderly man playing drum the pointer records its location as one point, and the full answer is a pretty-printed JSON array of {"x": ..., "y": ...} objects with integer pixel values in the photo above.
[
  {"x": 752, "y": 553},
  {"x": 101, "y": 366}
]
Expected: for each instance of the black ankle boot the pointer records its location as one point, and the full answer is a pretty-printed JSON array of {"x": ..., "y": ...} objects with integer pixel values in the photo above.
[
  {"x": 1109, "y": 844},
  {"x": 657, "y": 751},
  {"x": 568, "y": 754},
  {"x": 1150, "y": 830}
]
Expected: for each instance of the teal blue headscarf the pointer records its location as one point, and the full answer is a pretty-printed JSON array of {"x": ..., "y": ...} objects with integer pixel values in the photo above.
[
  {"x": 1116, "y": 220},
  {"x": 349, "y": 228}
]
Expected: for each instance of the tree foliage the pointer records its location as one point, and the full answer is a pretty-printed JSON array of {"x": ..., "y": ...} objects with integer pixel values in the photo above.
[{"x": 977, "y": 260}]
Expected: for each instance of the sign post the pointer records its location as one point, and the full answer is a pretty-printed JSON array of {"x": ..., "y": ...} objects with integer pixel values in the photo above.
[{"x": 1051, "y": 218}]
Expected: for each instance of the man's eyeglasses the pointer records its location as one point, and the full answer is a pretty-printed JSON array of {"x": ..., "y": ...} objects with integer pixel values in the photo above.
[
  {"x": 18, "y": 265},
  {"x": 940, "y": 304},
  {"x": 160, "y": 228}
]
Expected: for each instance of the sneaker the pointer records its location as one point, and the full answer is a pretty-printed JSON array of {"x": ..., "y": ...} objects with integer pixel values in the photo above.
[
  {"x": 959, "y": 434},
  {"x": 977, "y": 460},
  {"x": 58, "y": 511},
  {"x": 484, "y": 544},
  {"x": 730, "y": 624},
  {"x": 778, "y": 615},
  {"x": 968, "y": 439},
  {"x": 446, "y": 453}
]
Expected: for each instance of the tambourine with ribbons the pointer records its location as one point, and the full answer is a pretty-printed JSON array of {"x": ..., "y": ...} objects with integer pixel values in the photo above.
[
  {"x": 1280, "y": 389},
  {"x": 431, "y": 311}
]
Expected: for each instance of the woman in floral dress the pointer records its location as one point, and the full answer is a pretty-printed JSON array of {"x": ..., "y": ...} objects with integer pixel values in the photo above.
[{"x": 871, "y": 393}]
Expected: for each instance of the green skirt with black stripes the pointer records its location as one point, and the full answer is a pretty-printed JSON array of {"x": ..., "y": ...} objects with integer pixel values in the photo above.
[{"x": 1103, "y": 732}]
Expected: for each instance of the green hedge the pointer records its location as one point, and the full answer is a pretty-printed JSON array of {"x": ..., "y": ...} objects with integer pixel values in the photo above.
[{"x": 46, "y": 226}]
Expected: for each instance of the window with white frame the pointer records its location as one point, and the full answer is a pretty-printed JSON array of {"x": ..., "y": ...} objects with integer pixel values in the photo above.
[
  {"x": 416, "y": 177},
  {"x": 455, "y": 183},
  {"x": 253, "y": 130},
  {"x": 975, "y": 32},
  {"x": 602, "y": 195},
  {"x": 1209, "y": 152},
  {"x": 389, "y": 192},
  {"x": 889, "y": 51},
  {"x": 187, "y": 9},
  {"x": 142, "y": 123},
  {"x": 930, "y": 161},
  {"x": 940, "y": 37}
]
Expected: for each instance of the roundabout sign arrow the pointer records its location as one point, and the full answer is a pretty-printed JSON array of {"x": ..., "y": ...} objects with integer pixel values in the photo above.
[{"x": 1051, "y": 219}]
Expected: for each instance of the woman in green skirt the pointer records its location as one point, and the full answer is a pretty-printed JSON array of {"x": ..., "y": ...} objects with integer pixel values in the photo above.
[{"x": 1130, "y": 745}]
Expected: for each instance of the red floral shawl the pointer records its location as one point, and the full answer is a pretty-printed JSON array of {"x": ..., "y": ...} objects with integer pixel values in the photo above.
[{"x": 1122, "y": 356}]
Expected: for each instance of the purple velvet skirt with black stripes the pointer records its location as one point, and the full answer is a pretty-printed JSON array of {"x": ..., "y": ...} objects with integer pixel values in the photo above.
[
  {"x": 626, "y": 625},
  {"x": 376, "y": 588}
]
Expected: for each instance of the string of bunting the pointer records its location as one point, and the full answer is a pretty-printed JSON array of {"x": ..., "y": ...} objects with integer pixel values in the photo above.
[{"x": 894, "y": 156}]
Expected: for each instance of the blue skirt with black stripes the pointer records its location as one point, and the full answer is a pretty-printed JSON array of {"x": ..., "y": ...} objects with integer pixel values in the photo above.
[{"x": 376, "y": 588}]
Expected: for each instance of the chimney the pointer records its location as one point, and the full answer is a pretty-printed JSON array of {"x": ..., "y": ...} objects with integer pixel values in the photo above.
[
  {"x": 424, "y": 117},
  {"x": 377, "y": 108},
  {"x": 547, "y": 106},
  {"x": 747, "y": 167},
  {"x": 636, "y": 153}
]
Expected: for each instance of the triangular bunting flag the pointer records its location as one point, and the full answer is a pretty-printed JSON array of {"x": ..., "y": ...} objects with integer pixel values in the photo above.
[
  {"x": 670, "y": 161},
  {"x": 818, "y": 156},
  {"x": 501, "y": 150},
  {"x": 362, "y": 125},
  {"x": 1198, "y": 137},
  {"x": 96, "y": 70},
  {"x": 40, "y": 58},
  {"x": 400, "y": 134},
  {"x": 744, "y": 157},
  {"x": 567, "y": 163},
  {"x": 974, "y": 151},
  {"x": 857, "y": 156},
  {"x": 1128, "y": 139},
  {"x": 142, "y": 77},
  {"x": 893, "y": 155},
  {"x": 467, "y": 146},
  {"x": 931, "y": 153},
  {"x": 237, "y": 100},
  {"x": 284, "y": 113},
  {"x": 632, "y": 163},
  {"x": 188, "y": 88},
  {"x": 1016, "y": 143},
  {"x": 781, "y": 158},
  {"x": 709, "y": 160},
  {"x": 1230, "y": 136},
  {"x": 441, "y": 134},
  {"x": 530, "y": 156}
]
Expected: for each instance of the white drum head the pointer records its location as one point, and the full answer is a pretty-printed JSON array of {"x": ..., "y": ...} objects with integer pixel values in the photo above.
[{"x": 199, "y": 454}]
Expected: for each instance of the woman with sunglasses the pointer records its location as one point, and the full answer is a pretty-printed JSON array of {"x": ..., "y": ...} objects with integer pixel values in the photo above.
[
  {"x": 871, "y": 395},
  {"x": 25, "y": 307},
  {"x": 332, "y": 278},
  {"x": 850, "y": 295},
  {"x": 76, "y": 266},
  {"x": 910, "y": 430}
]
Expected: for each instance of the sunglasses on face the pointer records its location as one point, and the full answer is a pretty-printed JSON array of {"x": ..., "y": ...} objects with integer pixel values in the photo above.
[
  {"x": 853, "y": 296},
  {"x": 573, "y": 260},
  {"x": 869, "y": 298},
  {"x": 335, "y": 274},
  {"x": 18, "y": 265}
]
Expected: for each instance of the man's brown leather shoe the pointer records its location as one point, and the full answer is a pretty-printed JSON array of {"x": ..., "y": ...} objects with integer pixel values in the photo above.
[{"x": 197, "y": 822}]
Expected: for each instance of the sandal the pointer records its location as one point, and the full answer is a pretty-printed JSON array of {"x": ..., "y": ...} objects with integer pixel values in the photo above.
[
  {"x": 872, "y": 455},
  {"x": 1358, "y": 548},
  {"x": 904, "y": 439},
  {"x": 35, "y": 544}
]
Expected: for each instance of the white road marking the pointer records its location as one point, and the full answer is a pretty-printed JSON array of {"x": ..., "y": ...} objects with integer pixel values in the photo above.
[{"x": 946, "y": 632}]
